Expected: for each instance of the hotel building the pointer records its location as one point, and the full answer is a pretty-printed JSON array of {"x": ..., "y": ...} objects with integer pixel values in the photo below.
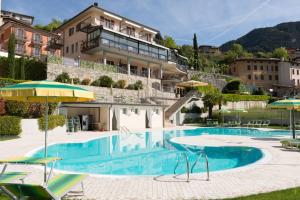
[
  {"x": 283, "y": 77},
  {"x": 98, "y": 35}
]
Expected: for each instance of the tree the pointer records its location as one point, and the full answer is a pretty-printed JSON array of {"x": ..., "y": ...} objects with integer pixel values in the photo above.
[
  {"x": 211, "y": 99},
  {"x": 169, "y": 42},
  {"x": 54, "y": 24},
  {"x": 11, "y": 56},
  {"x": 22, "y": 68},
  {"x": 186, "y": 51},
  {"x": 159, "y": 39},
  {"x": 280, "y": 53},
  {"x": 196, "y": 52}
]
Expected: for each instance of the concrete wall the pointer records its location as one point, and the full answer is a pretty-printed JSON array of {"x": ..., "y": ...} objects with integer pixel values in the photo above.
[
  {"x": 133, "y": 121},
  {"x": 244, "y": 105}
]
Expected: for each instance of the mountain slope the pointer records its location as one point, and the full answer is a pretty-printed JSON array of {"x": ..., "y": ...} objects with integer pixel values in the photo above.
[{"x": 267, "y": 39}]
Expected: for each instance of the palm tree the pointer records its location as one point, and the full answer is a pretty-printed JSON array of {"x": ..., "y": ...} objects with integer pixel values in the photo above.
[{"x": 211, "y": 99}]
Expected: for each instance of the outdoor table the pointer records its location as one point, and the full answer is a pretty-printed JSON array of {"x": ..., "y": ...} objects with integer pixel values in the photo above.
[{"x": 31, "y": 161}]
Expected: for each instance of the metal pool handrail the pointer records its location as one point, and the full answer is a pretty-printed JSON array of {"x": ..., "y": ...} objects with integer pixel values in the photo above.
[{"x": 184, "y": 150}]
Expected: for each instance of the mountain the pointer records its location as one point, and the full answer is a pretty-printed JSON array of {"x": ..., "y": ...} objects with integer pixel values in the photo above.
[{"x": 269, "y": 38}]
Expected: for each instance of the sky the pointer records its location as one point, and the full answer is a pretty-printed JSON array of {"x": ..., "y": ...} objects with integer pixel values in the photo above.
[{"x": 214, "y": 21}]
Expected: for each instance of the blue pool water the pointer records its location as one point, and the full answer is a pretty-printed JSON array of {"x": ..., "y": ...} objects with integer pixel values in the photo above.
[{"x": 149, "y": 153}]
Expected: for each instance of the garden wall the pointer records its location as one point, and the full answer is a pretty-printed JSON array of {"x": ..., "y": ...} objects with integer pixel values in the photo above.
[{"x": 30, "y": 126}]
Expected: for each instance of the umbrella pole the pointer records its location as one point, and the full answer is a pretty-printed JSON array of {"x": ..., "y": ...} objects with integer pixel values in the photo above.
[
  {"x": 293, "y": 124},
  {"x": 46, "y": 137}
]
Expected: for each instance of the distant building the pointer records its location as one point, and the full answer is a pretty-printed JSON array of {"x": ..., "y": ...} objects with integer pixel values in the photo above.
[
  {"x": 209, "y": 50},
  {"x": 29, "y": 41},
  {"x": 20, "y": 17},
  {"x": 282, "y": 77}
]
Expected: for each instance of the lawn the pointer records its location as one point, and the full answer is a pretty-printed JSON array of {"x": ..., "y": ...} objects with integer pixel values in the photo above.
[{"x": 289, "y": 194}]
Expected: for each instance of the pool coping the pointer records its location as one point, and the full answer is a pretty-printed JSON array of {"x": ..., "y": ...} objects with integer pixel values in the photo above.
[{"x": 266, "y": 157}]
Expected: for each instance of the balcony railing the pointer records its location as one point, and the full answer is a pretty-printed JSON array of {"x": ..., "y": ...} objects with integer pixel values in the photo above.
[
  {"x": 21, "y": 37},
  {"x": 55, "y": 43},
  {"x": 36, "y": 41},
  {"x": 20, "y": 51}
]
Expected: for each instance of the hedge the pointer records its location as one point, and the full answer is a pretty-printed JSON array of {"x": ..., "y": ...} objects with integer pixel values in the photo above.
[
  {"x": 53, "y": 122},
  {"x": 10, "y": 125},
  {"x": 237, "y": 97},
  {"x": 8, "y": 81}
]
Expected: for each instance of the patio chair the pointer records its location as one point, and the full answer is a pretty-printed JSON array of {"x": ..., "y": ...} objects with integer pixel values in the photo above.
[
  {"x": 258, "y": 123},
  {"x": 57, "y": 188},
  {"x": 290, "y": 143},
  {"x": 266, "y": 123},
  {"x": 76, "y": 123},
  {"x": 12, "y": 176}
]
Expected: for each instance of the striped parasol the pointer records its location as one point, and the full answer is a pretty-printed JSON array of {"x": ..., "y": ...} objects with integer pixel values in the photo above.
[
  {"x": 289, "y": 104},
  {"x": 45, "y": 92}
]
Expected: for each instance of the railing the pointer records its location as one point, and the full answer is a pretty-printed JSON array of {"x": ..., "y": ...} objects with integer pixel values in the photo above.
[
  {"x": 21, "y": 37},
  {"x": 55, "y": 43},
  {"x": 37, "y": 41}
]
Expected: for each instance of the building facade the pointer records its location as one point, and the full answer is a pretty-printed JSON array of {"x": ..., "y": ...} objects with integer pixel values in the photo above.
[
  {"x": 282, "y": 77},
  {"x": 29, "y": 41},
  {"x": 209, "y": 50},
  {"x": 98, "y": 35}
]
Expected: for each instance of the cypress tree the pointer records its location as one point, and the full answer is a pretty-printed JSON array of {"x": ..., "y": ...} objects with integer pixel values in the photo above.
[
  {"x": 196, "y": 55},
  {"x": 11, "y": 56},
  {"x": 22, "y": 68}
]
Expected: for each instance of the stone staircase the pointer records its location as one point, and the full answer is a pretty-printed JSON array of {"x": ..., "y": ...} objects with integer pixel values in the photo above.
[{"x": 193, "y": 94}]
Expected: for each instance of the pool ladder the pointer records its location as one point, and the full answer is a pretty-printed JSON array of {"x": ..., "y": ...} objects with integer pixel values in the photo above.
[{"x": 186, "y": 158}]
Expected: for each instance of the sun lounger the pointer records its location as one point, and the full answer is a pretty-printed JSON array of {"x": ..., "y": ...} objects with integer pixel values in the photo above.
[
  {"x": 57, "y": 188},
  {"x": 257, "y": 123},
  {"x": 266, "y": 123},
  {"x": 12, "y": 176},
  {"x": 290, "y": 143}
]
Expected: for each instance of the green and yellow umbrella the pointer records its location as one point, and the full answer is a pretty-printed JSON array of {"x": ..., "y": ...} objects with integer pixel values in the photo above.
[
  {"x": 289, "y": 104},
  {"x": 45, "y": 92}
]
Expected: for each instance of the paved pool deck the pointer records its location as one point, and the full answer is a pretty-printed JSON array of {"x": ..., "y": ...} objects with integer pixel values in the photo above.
[{"x": 279, "y": 169}]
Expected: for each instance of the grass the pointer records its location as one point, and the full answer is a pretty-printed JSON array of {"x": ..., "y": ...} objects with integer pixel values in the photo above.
[
  {"x": 3, "y": 197},
  {"x": 288, "y": 194}
]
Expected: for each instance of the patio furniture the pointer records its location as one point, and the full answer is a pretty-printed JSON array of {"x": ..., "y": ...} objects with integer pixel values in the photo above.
[
  {"x": 70, "y": 125},
  {"x": 250, "y": 123},
  {"x": 76, "y": 123},
  {"x": 258, "y": 123},
  {"x": 290, "y": 143},
  {"x": 266, "y": 123},
  {"x": 57, "y": 188},
  {"x": 31, "y": 161},
  {"x": 12, "y": 176}
]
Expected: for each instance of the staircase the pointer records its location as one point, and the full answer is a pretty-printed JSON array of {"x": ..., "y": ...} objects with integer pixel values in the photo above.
[{"x": 193, "y": 94}]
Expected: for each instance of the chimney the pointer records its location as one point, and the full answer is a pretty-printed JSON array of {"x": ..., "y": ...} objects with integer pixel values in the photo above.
[{"x": 96, "y": 4}]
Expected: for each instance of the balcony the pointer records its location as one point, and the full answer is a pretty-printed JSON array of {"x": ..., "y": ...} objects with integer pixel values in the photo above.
[
  {"x": 91, "y": 44},
  {"x": 37, "y": 42},
  {"x": 55, "y": 43},
  {"x": 20, "y": 51}
]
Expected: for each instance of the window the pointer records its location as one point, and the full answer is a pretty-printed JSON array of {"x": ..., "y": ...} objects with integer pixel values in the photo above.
[
  {"x": 255, "y": 67},
  {"x": 144, "y": 72},
  {"x": 276, "y": 68},
  {"x": 67, "y": 49},
  {"x": 249, "y": 67},
  {"x": 72, "y": 48},
  {"x": 124, "y": 111},
  {"x": 78, "y": 27},
  {"x": 71, "y": 31},
  {"x": 261, "y": 67},
  {"x": 276, "y": 77},
  {"x": 272, "y": 68},
  {"x": 256, "y": 77},
  {"x": 20, "y": 48},
  {"x": 267, "y": 68},
  {"x": 293, "y": 71},
  {"x": 298, "y": 72},
  {"x": 36, "y": 38},
  {"x": 249, "y": 76},
  {"x": 270, "y": 77},
  {"x": 20, "y": 33},
  {"x": 130, "y": 31},
  {"x": 262, "y": 77},
  {"x": 36, "y": 52},
  {"x": 298, "y": 82},
  {"x": 76, "y": 46},
  {"x": 136, "y": 111}
]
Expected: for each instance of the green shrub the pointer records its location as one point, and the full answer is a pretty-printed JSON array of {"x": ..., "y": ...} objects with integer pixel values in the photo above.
[
  {"x": 138, "y": 85},
  {"x": 106, "y": 81},
  {"x": 232, "y": 87},
  {"x": 86, "y": 81},
  {"x": 237, "y": 97},
  {"x": 130, "y": 87},
  {"x": 35, "y": 69},
  {"x": 10, "y": 125},
  {"x": 258, "y": 91},
  {"x": 28, "y": 110},
  {"x": 63, "y": 78},
  {"x": 184, "y": 110},
  {"x": 53, "y": 122},
  {"x": 96, "y": 83},
  {"x": 120, "y": 84},
  {"x": 76, "y": 81},
  {"x": 8, "y": 81}
]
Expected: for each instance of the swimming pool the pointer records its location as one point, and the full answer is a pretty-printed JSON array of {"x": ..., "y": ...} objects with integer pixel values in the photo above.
[{"x": 149, "y": 153}]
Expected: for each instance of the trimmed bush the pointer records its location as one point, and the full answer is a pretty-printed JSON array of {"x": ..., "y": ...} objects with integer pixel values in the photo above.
[
  {"x": 86, "y": 81},
  {"x": 63, "y": 78},
  {"x": 96, "y": 83},
  {"x": 106, "y": 81},
  {"x": 237, "y": 97},
  {"x": 53, "y": 122},
  {"x": 10, "y": 125},
  {"x": 130, "y": 87},
  {"x": 138, "y": 85},
  {"x": 233, "y": 87},
  {"x": 76, "y": 81},
  {"x": 120, "y": 84}
]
